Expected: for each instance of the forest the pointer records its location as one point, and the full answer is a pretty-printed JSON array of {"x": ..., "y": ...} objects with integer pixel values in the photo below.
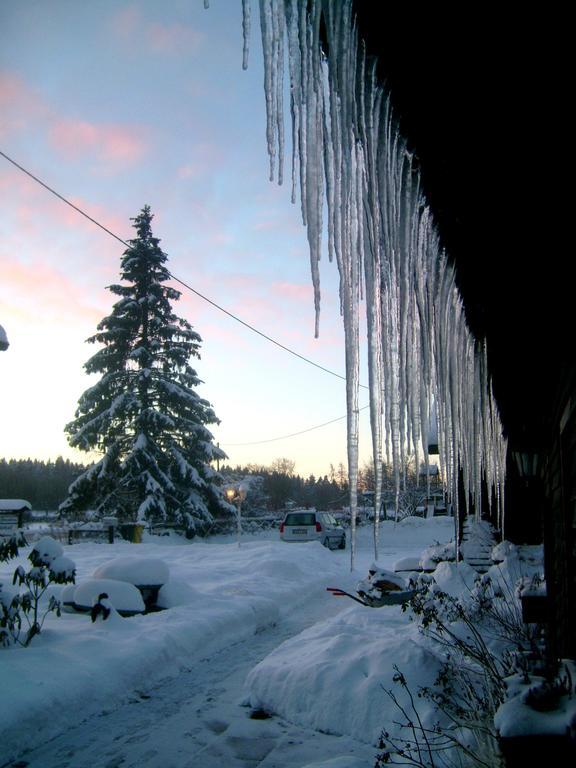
[
  {"x": 269, "y": 487},
  {"x": 43, "y": 483}
]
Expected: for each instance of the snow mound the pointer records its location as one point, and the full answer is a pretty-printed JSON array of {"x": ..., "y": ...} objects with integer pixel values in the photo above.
[
  {"x": 140, "y": 571},
  {"x": 123, "y": 596},
  {"x": 456, "y": 579},
  {"x": 176, "y": 593},
  {"x": 67, "y": 596},
  {"x": 407, "y": 564},
  {"x": 437, "y": 553},
  {"x": 332, "y": 676}
]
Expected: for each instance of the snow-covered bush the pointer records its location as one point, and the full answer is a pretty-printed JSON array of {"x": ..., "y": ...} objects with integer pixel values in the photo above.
[
  {"x": 475, "y": 623},
  {"x": 9, "y": 546},
  {"x": 437, "y": 553},
  {"x": 23, "y": 614}
]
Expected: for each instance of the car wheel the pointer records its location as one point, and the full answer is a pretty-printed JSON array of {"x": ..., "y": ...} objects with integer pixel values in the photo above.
[{"x": 342, "y": 544}]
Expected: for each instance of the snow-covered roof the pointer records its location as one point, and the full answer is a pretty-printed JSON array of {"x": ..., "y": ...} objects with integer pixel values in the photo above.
[{"x": 14, "y": 505}]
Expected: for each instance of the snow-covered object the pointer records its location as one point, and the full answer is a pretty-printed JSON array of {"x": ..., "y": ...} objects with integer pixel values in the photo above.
[
  {"x": 4, "y": 344},
  {"x": 140, "y": 571},
  {"x": 436, "y": 553},
  {"x": 517, "y": 718},
  {"x": 534, "y": 586},
  {"x": 350, "y": 157},
  {"x": 408, "y": 564},
  {"x": 455, "y": 579},
  {"x": 331, "y": 677},
  {"x": 176, "y": 593},
  {"x": 501, "y": 551},
  {"x": 124, "y": 596},
  {"x": 63, "y": 567},
  {"x": 67, "y": 596},
  {"x": 380, "y": 580},
  {"x": 48, "y": 549},
  {"x": 103, "y": 610},
  {"x": 10, "y": 505}
]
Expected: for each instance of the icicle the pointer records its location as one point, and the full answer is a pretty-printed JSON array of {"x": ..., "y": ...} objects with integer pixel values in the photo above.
[
  {"x": 348, "y": 149},
  {"x": 245, "y": 31}
]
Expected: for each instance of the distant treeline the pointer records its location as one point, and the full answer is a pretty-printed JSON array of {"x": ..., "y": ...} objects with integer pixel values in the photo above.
[
  {"x": 270, "y": 488},
  {"x": 43, "y": 483}
]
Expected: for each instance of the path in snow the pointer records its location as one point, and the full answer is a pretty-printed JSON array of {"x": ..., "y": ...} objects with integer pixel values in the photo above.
[{"x": 196, "y": 720}]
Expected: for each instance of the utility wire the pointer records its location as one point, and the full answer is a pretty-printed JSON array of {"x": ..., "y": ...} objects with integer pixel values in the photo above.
[
  {"x": 64, "y": 200},
  {"x": 205, "y": 298},
  {"x": 176, "y": 279},
  {"x": 293, "y": 434}
]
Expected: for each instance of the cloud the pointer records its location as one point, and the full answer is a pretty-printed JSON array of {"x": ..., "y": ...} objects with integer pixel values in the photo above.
[
  {"x": 35, "y": 291},
  {"x": 114, "y": 145},
  {"x": 130, "y": 25},
  {"x": 294, "y": 291},
  {"x": 204, "y": 159},
  {"x": 20, "y": 106}
]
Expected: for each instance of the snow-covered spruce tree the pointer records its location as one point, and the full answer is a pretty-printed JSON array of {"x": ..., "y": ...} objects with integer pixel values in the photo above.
[{"x": 143, "y": 415}]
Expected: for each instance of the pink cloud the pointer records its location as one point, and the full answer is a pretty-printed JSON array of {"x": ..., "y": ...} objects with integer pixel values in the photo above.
[
  {"x": 114, "y": 147},
  {"x": 205, "y": 158},
  {"x": 294, "y": 291},
  {"x": 40, "y": 292},
  {"x": 131, "y": 24},
  {"x": 118, "y": 145},
  {"x": 169, "y": 38},
  {"x": 20, "y": 105}
]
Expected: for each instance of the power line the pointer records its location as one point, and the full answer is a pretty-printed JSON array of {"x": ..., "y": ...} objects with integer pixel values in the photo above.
[
  {"x": 176, "y": 279},
  {"x": 206, "y": 299},
  {"x": 293, "y": 434},
  {"x": 63, "y": 199}
]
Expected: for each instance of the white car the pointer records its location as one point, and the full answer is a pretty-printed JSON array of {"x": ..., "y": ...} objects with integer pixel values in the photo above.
[{"x": 308, "y": 525}]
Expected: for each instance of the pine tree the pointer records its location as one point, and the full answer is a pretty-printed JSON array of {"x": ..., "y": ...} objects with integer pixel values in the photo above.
[{"x": 143, "y": 415}]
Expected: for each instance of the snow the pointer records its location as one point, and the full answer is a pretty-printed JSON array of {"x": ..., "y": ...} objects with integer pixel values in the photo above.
[
  {"x": 123, "y": 596},
  {"x": 48, "y": 549},
  {"x": 139, "y": 571},
  {"x": 11, "y": 505},
  {"x": 63, "y": 566},
  {"x": 516, "y": 718},
  {"x": 455, "y": 579},
  {"x": 331, "y": 676},
  {"x": 219, "y": 596}
]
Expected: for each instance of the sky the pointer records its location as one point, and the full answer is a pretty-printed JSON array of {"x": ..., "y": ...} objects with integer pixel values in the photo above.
[{"x": 117, "y": 105}]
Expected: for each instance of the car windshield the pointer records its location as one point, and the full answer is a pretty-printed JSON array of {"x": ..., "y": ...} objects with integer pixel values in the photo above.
[{"x": 300, "y": 518}]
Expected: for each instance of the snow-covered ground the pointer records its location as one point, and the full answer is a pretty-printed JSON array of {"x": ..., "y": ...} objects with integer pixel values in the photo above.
[{"x": 250, "y": 626}]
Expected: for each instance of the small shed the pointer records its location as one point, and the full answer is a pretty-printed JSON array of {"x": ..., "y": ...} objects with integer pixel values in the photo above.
[{"x": 12, "y": 514}]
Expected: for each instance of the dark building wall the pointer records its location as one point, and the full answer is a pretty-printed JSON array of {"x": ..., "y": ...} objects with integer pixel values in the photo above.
[{"x": 559, "y": 473}]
